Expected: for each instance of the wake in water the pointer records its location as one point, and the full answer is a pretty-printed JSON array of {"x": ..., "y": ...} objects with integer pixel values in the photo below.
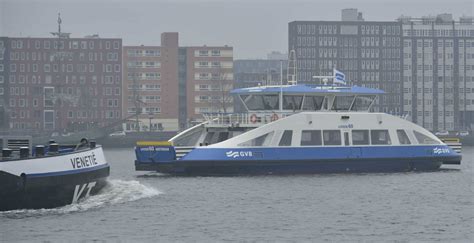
[{"x": 116, "y": 192}]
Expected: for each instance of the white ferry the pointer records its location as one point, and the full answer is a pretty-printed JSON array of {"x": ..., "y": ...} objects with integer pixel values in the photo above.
[
  {"x": 299, "y": 129},
  {"x": 49, "y": 176}
]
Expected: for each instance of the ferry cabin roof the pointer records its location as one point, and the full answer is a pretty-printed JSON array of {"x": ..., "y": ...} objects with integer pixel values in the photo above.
[{"x": 307, "y": 98}]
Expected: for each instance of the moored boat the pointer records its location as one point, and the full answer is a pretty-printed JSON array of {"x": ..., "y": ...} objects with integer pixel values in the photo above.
[{"x": 50, "y": 176}]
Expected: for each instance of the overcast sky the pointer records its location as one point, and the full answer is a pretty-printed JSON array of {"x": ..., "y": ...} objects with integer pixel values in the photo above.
[{"x": 253, "y": 27}]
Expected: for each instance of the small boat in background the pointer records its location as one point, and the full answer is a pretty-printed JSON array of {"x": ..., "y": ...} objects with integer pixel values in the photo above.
[{"x": 49, "y": 176}]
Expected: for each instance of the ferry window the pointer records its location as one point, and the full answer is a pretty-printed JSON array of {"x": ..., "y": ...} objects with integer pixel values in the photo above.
[
  {"x": 313, "y": 103},
  {"x": 261, "y": 102},
  {"x": 223, "y": 136},
  {"x": 402, "y": 137},
  {"x": 208, "y": 139},
  {"x": 292, "y": 102},
  {"x": 189, "y": 139},
  {"x": 360, "y": 137},
  {"x": 262, "y": 140},
  {"x": 332, "y": 137},
  {"x": 286, "y": 138},
  {"x": 270, "y": 102},
  {"x": 379, "y": 137},
  {"x": 362, "y": 102},
  {"x": 342, "y": 103},
  {"x": 423, "y": 139},
  {"x": 346, "y": 138},
  {"x": 311, "y": 137}
]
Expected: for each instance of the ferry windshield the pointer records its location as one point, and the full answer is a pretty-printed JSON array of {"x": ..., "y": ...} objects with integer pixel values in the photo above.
[
  {"x": 363, "y": 102},
  {"x": 313, "y": 103},
  {"x": 342, "y": 103},
  {"x": 271, "y": 102},
  {"x": 261, "y": 102},
  {"x": 292, "y": 102}
]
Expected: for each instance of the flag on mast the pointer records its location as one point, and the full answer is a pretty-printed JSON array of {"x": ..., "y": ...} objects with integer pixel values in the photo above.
[{"x": 339, "y": 77}]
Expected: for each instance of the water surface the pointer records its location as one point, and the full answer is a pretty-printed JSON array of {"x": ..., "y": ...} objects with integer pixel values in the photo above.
[{"x": 430, "y": 206}]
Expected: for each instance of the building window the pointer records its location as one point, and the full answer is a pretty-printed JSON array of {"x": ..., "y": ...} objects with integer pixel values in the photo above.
[
  {"x": 152, "y": 53},
  {"x": 152, "y": 76},
  {"x": 216, "y": 53},
  {"x": 48, "y": 120}
]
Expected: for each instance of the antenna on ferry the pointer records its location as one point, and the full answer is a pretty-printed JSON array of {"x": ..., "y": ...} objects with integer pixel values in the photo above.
[
  {"x": 292, "y": 69},
  {"x": 281, "y": 86}
]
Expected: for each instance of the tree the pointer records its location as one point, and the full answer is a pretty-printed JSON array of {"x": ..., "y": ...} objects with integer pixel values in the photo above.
[{"x": 222, "y": 84}]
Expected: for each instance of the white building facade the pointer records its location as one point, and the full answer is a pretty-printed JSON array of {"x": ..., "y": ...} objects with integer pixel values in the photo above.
[{"x": 438, "y": 72}]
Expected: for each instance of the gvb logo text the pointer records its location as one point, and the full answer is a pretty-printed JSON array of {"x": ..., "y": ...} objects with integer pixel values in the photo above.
[
  {"x": 438, "y": 150},
  {"x": 79, "y": 190},
  {"x": 237, "y": 154}
]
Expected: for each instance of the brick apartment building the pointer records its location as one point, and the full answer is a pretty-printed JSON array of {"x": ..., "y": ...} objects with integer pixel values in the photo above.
[
  {"x": 169, "y": 87},
  {"x": 151, "y": 85},
  {"x": 66, "y": 84},
  {"x": 209, "y": 80}
]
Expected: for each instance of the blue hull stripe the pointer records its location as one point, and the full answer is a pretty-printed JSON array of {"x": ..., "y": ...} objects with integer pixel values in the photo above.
[
  {"x": 68, "y": 172},
  {"x": 291, "y": 167},
  {"x": 319, "y": 153}
]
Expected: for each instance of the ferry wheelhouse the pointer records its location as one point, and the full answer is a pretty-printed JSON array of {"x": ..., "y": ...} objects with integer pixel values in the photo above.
[{"x": 299, "y": 129}]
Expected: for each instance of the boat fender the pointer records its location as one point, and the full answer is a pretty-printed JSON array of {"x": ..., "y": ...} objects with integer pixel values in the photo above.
[
  {"x": 253, "y": 118},
  {"x": 274, "y": 117}
]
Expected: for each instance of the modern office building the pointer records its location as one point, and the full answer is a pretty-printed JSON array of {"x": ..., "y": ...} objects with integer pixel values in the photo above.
[
  {"x": 368, "y": 52},
  {"x": 169, "y": 88},
  {"x": 438, "y": 71},
  {"x": 425, "y": 65},
  {"x": 60, "y": 84}
]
